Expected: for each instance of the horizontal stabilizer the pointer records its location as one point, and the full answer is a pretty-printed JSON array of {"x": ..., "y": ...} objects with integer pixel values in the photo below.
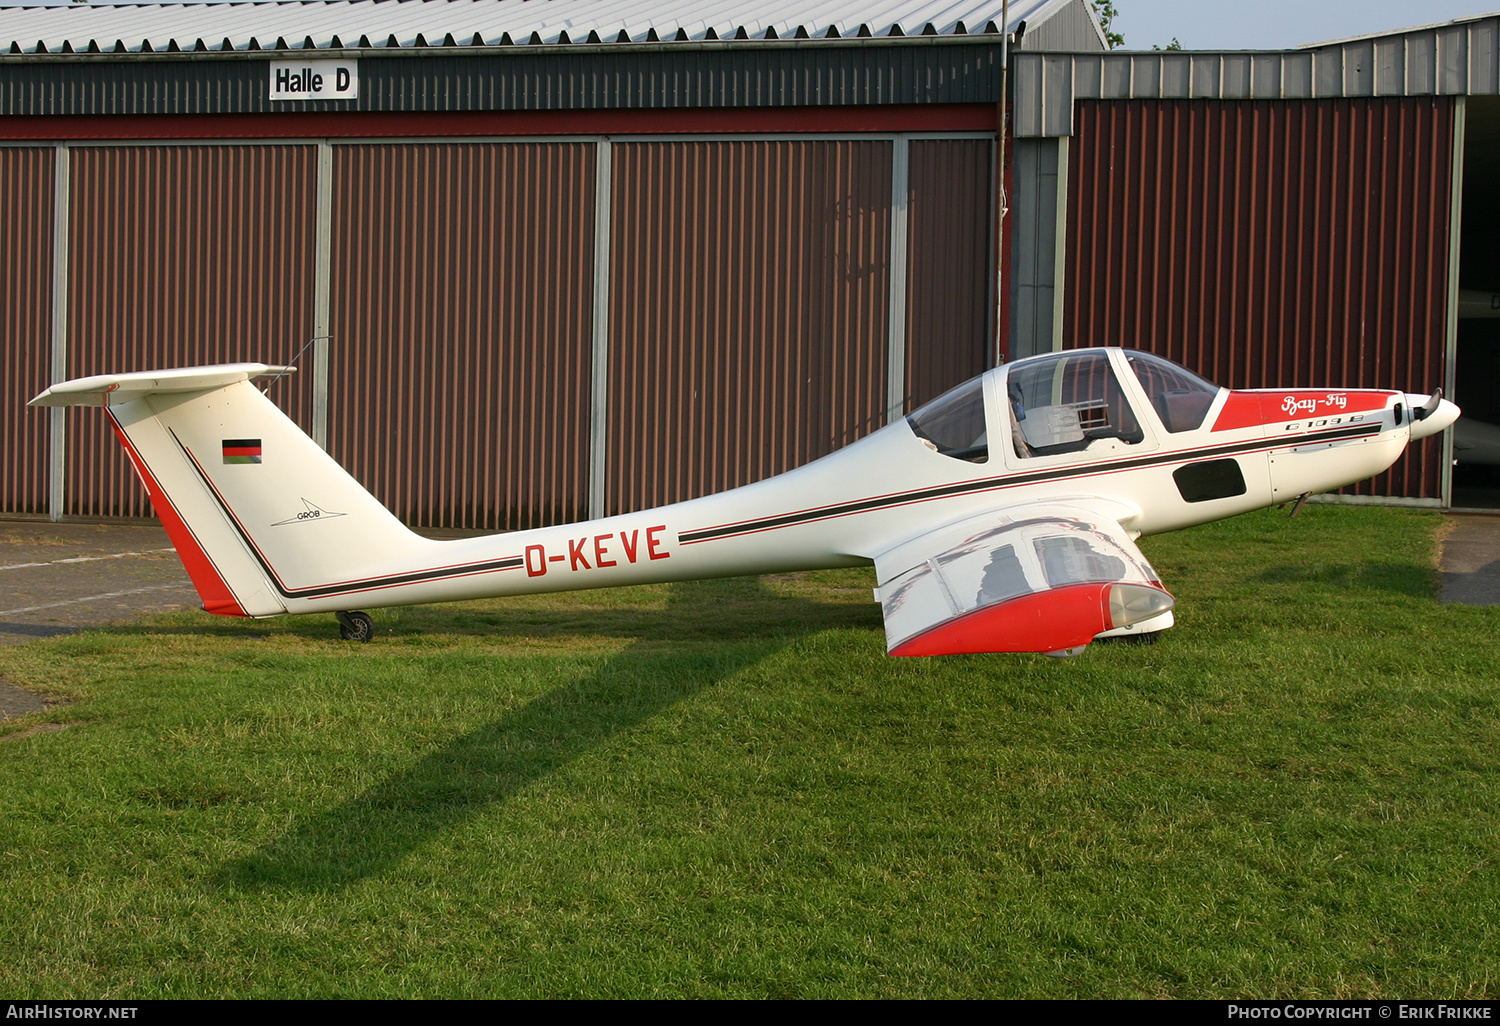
[
  {"x": 114, "y": 389},
  {"x": 265, "y": 521}
]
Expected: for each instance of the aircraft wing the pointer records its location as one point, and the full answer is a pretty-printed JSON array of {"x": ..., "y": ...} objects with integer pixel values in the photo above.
[{"x": 1032, "y": 577}]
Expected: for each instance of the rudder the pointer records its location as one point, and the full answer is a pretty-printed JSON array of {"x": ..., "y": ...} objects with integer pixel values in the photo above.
[{"x": 260, "y": 515}]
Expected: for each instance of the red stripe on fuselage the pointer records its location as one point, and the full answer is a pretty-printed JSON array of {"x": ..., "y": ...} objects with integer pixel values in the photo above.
[
  {"x": 1012, "y": 479},
  {"x": 212, "y": 588},
  {"x": 1257, "y": 408},
  {"x": 288, "y": 591}
]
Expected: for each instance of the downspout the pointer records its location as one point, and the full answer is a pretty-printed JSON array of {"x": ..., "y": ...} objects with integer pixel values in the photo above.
[{"x": 1001, "y": 208}]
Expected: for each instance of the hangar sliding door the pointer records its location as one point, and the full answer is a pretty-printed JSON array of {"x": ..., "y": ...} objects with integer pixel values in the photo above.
[
  {"x": 26, "y": 185},
  {"x": 481, "y": 371},
  {"x": 1269, "y": 244},
  {"x": 461, "y": 306},
  {"x": 181, "y": 255},
  {"x": 747, "y": 314},
  {"x": 748, "y": 310},
  {"x": 949, "y": 252}
]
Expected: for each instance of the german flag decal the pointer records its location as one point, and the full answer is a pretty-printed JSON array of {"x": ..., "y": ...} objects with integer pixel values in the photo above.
[{"x": 242, "y": 450}]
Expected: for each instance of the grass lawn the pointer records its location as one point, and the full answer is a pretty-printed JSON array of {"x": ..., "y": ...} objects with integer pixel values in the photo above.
[{"x": 725, "y": 789}]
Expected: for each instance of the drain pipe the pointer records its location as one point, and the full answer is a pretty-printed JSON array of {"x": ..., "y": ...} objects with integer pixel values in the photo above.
[{"x": 1001, "y": 208}]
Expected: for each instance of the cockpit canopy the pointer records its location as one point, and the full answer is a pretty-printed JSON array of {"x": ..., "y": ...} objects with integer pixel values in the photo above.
[
  {"x": 1180, "y": 397},
  {"x": 953, "y": 423},
  {"x": 1065, "y": 402}
]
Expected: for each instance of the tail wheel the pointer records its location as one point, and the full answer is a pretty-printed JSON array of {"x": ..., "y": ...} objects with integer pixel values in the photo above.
[{"x": 355, "y": 626}]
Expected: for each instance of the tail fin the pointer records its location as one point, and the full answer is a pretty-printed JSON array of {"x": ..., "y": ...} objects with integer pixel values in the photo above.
[{"x": 260, "y": 515}]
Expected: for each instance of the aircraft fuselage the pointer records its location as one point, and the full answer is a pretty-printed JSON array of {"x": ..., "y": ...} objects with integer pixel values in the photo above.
[{"x": 1251, "y": 449}]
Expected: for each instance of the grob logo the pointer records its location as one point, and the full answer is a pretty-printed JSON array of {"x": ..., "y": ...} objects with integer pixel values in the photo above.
[{"x": 311, "y": 512}]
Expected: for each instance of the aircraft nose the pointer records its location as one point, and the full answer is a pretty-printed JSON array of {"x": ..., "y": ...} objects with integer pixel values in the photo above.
[{"x": 1445, "y": 414}]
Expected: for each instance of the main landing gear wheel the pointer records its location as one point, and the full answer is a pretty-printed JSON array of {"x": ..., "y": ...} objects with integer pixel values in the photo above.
[{"x": 355, "y": 626}]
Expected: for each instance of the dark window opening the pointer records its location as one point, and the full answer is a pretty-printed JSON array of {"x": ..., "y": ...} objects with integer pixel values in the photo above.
[{"x": 1215, "y": 479}]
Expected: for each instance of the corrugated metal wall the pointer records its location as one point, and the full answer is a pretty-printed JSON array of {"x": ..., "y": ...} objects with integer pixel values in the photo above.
[
  {"x": 654, "y": 78},
  {"x": 1268, "y": 243},
  {"x": 950, "y": 248},
  {"x": 1070, "y": 27},
  {"x": 182, "y": 255},
  {"x": 462, "y": 305},
  {"x": 747, "y": 317},
  {"x": 748, "y": 310},
  {"x": 26, "y": 185}
]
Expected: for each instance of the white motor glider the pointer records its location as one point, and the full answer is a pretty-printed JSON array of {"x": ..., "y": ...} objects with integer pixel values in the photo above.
[{"x": 1000, "y": 517}]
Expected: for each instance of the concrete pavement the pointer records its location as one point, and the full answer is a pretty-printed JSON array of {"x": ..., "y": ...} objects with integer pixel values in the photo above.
[
  {"x": 59, "y": 578},
  {"x": 1471, "y": 560}
]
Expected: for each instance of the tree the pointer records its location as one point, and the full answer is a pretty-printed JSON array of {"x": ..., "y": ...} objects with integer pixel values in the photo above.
[{"x": 1105, "y": 11}]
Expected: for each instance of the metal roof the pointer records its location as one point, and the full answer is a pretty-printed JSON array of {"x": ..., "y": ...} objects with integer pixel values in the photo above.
[
  {"x": 1456, "y": 58},
  {"x": 111, "y": 28},
  {"x": 1414, "y": 28}
]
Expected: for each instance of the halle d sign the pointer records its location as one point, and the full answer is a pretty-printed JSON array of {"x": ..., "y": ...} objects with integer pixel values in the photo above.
[{"x": 314, "y": 80}]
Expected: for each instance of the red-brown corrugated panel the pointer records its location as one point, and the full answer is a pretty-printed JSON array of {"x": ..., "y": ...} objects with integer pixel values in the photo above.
[
  {"x": 950, "y": 247},
  {"x": 182, "y": 255},
  {"x": 748, "y": 310},
  {"x": 1268, "y": 243},
  {"x": 461, "y": 322},
  {"x": 26, "y": 183}
]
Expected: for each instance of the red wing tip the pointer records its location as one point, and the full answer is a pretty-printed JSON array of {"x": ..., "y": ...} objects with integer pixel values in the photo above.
[
  {"x": 1044, "y": 621},
  {"x": 1059, "y": 621}
]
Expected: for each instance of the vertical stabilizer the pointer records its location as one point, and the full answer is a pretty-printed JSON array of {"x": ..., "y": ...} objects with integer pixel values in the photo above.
[{"x": 260, "y": 515}]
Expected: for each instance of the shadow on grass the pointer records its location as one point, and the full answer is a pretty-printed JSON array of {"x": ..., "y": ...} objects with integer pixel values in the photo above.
[
  {"x": 709, "y": 611},
  {"x": 375, "y": 829},
  {"x": 1397, "y": 579}
]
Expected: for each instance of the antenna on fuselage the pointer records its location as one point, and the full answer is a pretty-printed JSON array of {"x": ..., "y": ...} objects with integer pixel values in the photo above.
[{"x": 292, "y": 362}]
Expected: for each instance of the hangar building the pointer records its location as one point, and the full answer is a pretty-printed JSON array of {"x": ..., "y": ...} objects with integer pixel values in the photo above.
[
  {"x": 1311, "y": 216},
  {"x": 559, "y": 259},
  {"x": 577, "y": 258}
]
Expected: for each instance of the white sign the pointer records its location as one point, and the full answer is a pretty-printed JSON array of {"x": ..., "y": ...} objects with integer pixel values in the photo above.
[{"x": 314, "y": 80}]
